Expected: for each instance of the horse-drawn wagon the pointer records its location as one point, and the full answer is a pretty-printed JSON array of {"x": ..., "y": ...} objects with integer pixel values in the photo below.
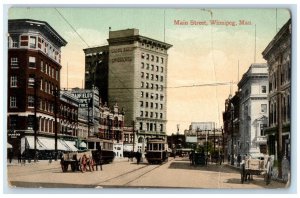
[{"x": 257, "y": 166}]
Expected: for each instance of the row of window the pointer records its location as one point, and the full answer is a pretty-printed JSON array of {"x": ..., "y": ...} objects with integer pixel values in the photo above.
[
  {"x": 151, "y": 114},
  {"x": 285, "y": 111},
  {"x": 152, "y": 47},
  {"x": 47, "y": 69},
  {"x": 152, "y": 58},
  {"x": 150, "y": 104},
  {"x": 151, "y": 76},
  {"x": 151, "y": 127},
  {"x": 151, "y": 67},
  {"x": 35, "y": 42},
  {"x": 151, "y": 86},
  {"x": 152, "y": 95}
]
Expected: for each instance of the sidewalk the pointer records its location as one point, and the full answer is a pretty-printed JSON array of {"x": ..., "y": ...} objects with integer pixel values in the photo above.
[{"x": 274, "y": 173}]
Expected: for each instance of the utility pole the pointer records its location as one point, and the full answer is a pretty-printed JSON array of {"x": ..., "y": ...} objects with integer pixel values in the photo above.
[
  {"x": 279, "y": 121},
  {"x": 133, "y": 132},
  {"x": 35, "y": 126},
  {"x": 232, "y": 131},
  {"x": 56, "y": 93},
  {"x": 214, "y": 138}
]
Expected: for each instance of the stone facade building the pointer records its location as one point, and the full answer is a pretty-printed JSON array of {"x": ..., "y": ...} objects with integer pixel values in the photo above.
[
  {"x": 278, "y": 56},
  {"x": 253, "y": 110},
  {"x": 136, "y": 77}
]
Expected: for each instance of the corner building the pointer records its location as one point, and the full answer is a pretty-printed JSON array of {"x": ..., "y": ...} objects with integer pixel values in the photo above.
[{"x": 137, "y": 80}]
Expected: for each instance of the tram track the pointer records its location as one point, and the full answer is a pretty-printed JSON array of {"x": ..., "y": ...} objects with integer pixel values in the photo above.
[{"x": 126, "y": 178}]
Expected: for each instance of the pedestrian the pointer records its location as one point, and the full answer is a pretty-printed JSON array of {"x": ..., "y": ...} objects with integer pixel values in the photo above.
[
  {"x": 19, "y": 158},
  {"x": 83, "y": 163},
  {"x": 285, "y": 169},
  {"x": 239, "y": 158},
  {"x": 10, "y": 155},
  {"x": 138, "y": 157}
]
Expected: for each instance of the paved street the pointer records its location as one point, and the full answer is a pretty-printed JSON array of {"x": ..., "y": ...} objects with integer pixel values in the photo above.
[{"x": 123, "y": 173}]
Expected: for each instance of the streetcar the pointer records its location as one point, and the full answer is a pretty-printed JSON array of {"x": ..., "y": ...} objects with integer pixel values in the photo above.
[{"x": 157, "y": 151}]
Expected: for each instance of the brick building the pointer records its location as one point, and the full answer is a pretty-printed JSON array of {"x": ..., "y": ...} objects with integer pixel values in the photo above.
[{"x": 34, "y": 64}]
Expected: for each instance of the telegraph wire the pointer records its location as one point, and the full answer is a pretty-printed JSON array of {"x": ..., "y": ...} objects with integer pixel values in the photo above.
[{"x": 71, "y": 27}]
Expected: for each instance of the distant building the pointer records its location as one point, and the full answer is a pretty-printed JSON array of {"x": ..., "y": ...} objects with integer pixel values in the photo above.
[
  {"x": 253, "y": 110},
  {"x": 34, "y": 64},
  {"x": 231, "y": 121},
  {"x": 96, "y": 70},
  {"x": 278, "y": 56}
]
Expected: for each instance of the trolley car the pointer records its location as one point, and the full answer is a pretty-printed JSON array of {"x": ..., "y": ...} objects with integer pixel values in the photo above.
[{"x": 156, "y": 151}]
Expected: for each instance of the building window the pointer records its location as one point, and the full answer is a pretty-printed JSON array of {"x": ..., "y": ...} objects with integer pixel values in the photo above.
[
  {"x": 141, "y": 114},
  {"x": 41, "y": 85},
  {"x": 147, "y": 56},
  {"x": 31, "y": 82},
  {"x": 13, "y": 102},
  {"x": 161, "y": 127},
  {"x": 141, "y": 126},
  {"x": 157, "y": 59},
  {"x": 141, "y": 103},
  {"x": 56, "y": 74},
  {"x": 147, "y": 95},
  {"x": 31, "y": 61},
  {"x": 162, "y": 69},
  {"x": 14, "y": 62},
  {"x": 161, "y": 115},
  {"x": 156, "y": 115},
  {"x": 13, "y": 81},
  {"x": 152, "y": 76},
  {"x": 24, "y": 41},
  {"x": 161, "y": 87},
  {"x": 156, "y": 105},
  {"x": 142, "y": 84},
  {"x": 152, "y": 58},
  {"x": 30, "y": 101},
  {"x": 151, "y": 104},
  {"x": 146, "y": 104},
  {"x": 42, "y": 66},
  {"x": 162, "y": 60},
  {"x": 161, "y": 78},
  {"x": 152, "y": 67},
  {"x": 142, "y": 94},
  {"x": 146, "y": 113},
  {"x": 143, "y": 55},
  {"x": 264, "y": 89},
  {"x": 151, "y": 114},
  {"x": 142, "y": 74},
  {"x": 264, "y": 108},
  {"x": 32, "y": 42},
  {"x": 143, "y": 65},
  {"x": 161, "y": 106}
]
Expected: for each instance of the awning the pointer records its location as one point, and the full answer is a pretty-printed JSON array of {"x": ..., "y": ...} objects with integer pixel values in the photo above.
[
  {"x": 82, "y": 145},
  {"x": 30, "y": 143},
  {"x": 49, "y": 143},
  {"x": 9, "y": 146},
  {"x": 71, "y": 145}
]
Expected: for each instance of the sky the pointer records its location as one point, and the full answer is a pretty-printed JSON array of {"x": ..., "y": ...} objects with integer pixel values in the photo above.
[{"x": 201, "y": 54}]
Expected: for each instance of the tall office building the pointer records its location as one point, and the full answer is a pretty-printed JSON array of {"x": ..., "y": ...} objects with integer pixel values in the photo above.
[{"x": 137, "y": 77}]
